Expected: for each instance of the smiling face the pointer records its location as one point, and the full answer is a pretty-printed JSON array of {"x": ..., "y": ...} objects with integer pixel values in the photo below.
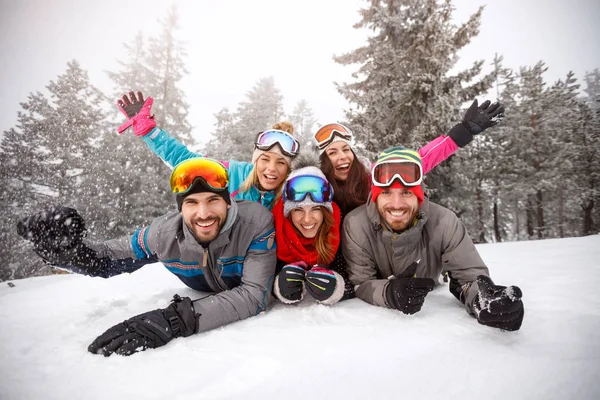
[
  {"x": 272, "y": 169},
  {"x": 398, "y": 207},
  {"x": 204, "y": 214},
  {"x": 307, "y": 220},
  {"x": 341, "y": 157}
]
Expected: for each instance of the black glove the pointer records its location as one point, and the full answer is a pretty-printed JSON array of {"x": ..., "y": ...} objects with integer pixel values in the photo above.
[
  {"x": 406, "y": 293},
  {"x": 149, "y": 330},
  {"x": 476, "y": 120},
  {"x": 498, "y": 306},
  {"x": 53, "y": 230},
  {"x": 132, "y": 104},
  {"x": 290, "y": 282},
  {"x": 321, "y": 282}
]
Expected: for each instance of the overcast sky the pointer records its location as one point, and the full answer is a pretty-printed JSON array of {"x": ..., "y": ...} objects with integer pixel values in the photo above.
[{"x": 232, "y": 44}]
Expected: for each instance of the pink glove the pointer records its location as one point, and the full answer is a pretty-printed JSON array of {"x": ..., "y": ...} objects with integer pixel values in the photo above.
[{"x": 137, "y": 112}]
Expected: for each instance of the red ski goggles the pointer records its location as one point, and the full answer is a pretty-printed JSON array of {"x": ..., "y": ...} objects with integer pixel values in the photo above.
[
  {"x": 410, "y": 173},
  {"x": 212, "y": 172},
  {"x": 267, "y": 139},
  {"x": 327, "y": 133},
  {"x": 297, "y": 188}
]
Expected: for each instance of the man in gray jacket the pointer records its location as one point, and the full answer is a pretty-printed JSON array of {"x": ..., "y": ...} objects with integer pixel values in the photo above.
[
  {"x": 213, "y": 244},
  {"x": 398, "y": 244}
]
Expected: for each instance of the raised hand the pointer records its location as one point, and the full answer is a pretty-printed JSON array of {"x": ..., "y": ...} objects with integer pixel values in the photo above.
[
  {"x": 476, "y": 120},
  {"x": 479, "y": 118},
  {"x": 138, "y": 113}
]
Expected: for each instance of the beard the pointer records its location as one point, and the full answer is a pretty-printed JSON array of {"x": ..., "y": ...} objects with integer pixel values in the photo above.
[
  {"x": 399, "y": 225},
  {"x": 205, "y": 234}
]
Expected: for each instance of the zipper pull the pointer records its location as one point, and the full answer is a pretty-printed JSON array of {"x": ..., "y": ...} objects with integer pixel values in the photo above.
[{"x": 205, "y": 258}]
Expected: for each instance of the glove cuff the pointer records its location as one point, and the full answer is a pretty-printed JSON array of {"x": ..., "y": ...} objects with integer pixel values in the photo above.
[
  {"x": 461, "y": 135},
  {"x": 182, "y": 317},
  {"x": 389, "y": 296}
]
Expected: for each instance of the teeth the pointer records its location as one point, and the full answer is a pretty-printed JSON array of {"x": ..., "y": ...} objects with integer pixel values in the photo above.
[
  {"x": 205, "y": 224},
  {"x": 308, "y": 227},
  {"x": 397, "y": 213},
  {"x": 271, "y": 177},
  {"x": 343, "y": 166}
]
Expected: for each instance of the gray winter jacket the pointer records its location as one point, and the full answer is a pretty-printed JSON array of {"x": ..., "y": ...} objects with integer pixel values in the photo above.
[
  {"x": 238, "y": 266},
  {"x": 439, "y": 242}
]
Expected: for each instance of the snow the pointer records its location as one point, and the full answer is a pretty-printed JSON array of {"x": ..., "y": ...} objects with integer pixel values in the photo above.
[{"x": 349, "y": 351}]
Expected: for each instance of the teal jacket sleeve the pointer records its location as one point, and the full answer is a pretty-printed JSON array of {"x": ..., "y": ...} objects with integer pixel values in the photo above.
[{"x": 169, "y": 149}]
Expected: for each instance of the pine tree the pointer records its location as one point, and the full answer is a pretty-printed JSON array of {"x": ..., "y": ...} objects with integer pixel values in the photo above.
[
  {"x": 304, "y": 121},
  {"x": 404, "y": 93},
  {"x": 587, "y": 154},
  {"x": 235, "y": 133},
  {"x": 166, "y": 67},
  {"x": 139, "y": 177},
  {"x": 54, "y": 142}
]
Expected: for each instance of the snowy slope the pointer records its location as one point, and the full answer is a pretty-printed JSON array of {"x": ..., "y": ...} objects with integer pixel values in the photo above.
[{"x": 351, "y": 350}]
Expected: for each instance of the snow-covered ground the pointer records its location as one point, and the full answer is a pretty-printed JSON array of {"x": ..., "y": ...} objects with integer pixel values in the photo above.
[{"x": 349, "y": 351}]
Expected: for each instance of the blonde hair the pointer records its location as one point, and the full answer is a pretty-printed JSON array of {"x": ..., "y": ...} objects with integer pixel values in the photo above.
[
  {"x": 252, "y": 179},
  {"x": 285, "y": 126}
]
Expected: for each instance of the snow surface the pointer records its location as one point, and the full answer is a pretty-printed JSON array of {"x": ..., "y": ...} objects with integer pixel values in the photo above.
[{"x": 349, "y": 351}]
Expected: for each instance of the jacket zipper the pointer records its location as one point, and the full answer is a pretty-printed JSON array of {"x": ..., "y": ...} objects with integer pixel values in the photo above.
[{"x": 209, "y": 269}]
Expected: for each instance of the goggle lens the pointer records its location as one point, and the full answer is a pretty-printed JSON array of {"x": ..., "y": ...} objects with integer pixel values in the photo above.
[
  {"x": 297, "y": 188},
  {"x": 408, "y": 172},
  {"x": 326, "y": 133},
  {"x": 267, "y": 139},
  {"x": 211, "y": 171}
]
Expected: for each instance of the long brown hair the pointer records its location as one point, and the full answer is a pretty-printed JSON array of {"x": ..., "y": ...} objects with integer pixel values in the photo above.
[
  {"x": 354, "y": 191},
  {"x": 324, "y": 248}
]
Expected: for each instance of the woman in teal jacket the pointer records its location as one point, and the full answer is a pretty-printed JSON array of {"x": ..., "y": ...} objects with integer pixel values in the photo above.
[{"x": 260, "y": 180}]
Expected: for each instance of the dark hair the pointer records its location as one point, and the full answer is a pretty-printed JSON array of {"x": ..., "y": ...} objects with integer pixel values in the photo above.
[{"x": 354, "y": 191}]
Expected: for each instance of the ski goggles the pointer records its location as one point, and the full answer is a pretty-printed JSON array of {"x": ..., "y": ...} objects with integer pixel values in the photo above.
[
  {"x": 267, "y": 139},
  {"x": 212, "y": 172},
  {"x": 408, "y": 172},
  {"x": 325, "y": 135},
  {"x": 297, "y": 188}
]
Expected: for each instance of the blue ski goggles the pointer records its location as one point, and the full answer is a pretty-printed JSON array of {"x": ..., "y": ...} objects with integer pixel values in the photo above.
[{"x": 297, "y": 188}]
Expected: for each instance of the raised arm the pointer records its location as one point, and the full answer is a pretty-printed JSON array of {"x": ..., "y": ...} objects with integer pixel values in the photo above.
[
  {"x": 139, "y": 117},
  {"x": 476, "y": 120}
]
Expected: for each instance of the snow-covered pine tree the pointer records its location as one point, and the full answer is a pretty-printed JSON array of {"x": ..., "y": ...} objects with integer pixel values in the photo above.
[
  {"x": 503, "y": 168},
  {"x": 54, "y": 139},
  {"x": 304, "y": 122},
  {"x": 587, "y": 154},
  {"x": 233, "y": 137},
  {"x": 404, "y": 93},
  {"x": 138, "y": 176},
  {"x": 18, "y": 196},
  {"x": 166, "y": 67}
]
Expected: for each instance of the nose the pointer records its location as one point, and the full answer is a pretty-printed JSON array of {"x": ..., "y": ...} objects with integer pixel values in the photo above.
[
  {"x": 397, "y": 200},
  {"x": 306, "y": 218},
  {"x": 202, "y": 211},
  {"x": 271, "y": 165}
]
